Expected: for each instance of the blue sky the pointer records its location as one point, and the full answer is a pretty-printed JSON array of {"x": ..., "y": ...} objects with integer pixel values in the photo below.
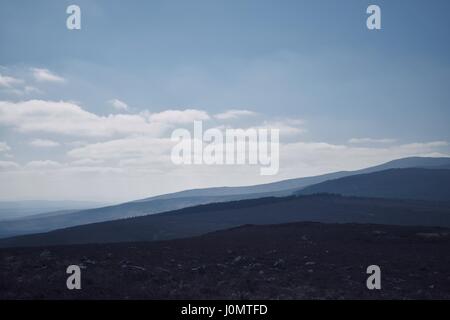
[{"x": 369, "y": 92}]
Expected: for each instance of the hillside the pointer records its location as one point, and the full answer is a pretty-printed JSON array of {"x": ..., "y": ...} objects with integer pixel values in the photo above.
[
  {"x": 206, "y": 218},
  {"x": 410, "y": 183},
  {"x": 57, "y": 220},
  {"x": 299, "y": 183},
  {"x": 26, "y": 209},
  {"x": 189, "y": 198}
]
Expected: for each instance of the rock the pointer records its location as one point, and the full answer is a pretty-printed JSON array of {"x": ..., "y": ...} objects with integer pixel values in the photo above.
[
  {"x": 429, "y": 235},
  {"x": 45, "y": 254},
  {"x": 280, "y": 263},
  {"x": 137, "y": 268},
  {"x": 162, "y": 270},
  {"x": 201, "y": 269},
  {"x": 124, "y": 262},
  {"x": 254, "y": 266},
  {"x": 220, "y": 283},
  {"x": 9, "y": 259},
  {"x": 237, "y": 259}
]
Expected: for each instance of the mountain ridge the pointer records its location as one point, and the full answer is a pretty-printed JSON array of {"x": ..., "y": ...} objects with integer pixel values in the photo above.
[
  {"x": 206, "y": 218},
  {"x": 404, "y": 183},
  {"x": 187, "y": 198}
]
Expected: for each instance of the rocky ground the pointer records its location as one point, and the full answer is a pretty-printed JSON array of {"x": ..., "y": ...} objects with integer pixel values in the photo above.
[{"x": 291, "y": 261}]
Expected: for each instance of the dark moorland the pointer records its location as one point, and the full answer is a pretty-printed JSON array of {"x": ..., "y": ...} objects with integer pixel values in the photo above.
[{"x": 289, "y": 261}]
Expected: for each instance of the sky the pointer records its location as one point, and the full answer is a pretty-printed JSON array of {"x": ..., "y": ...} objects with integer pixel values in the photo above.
[{"x": 87, "y": 114}]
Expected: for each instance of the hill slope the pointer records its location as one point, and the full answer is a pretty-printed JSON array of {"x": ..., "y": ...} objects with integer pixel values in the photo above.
[
  {"x": 411, "y": 183},
  {"x": 206, "y": 218},
  {"x": 195, "y": 197},
  {"x": 298, "y": 183}
]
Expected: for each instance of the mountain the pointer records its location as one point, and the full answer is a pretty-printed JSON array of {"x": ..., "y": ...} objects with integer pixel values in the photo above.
[
  {"x": 218, "y": 216},
  {"x": 298, "y": 183},
  {"x": 20, "y": 209},
  {"x": 62, "y": 219},
  {"x": 187, "y": 198},
  {"x": 411, "y": 183}
]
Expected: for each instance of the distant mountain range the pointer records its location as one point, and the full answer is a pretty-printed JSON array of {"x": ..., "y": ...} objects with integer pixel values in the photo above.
[
  {"x": 410, "y": 178},
  {"x": 199, "y": 220},
  {"x": 21, "y": 209},
  {"x": 62, "y": 219},
  {"x": 299, "y": 183}
]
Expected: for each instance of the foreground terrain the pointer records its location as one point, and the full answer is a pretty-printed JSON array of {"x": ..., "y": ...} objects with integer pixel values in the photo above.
[{"x": 289, "y": 261}]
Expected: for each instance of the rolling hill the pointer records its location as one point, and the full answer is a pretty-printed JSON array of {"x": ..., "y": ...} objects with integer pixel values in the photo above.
[
  {"x": 10, "y": 210},
  {"x": 299, "y": 183},
  {"x": 410, "y": 183},
  {"x": 187, "y": 198},
  {"x": 211, "y": 217}
]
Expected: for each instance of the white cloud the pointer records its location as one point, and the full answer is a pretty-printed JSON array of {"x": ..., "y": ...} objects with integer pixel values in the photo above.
[
  {"x": 27, "y": 90},
  {"x": 43, "y": 164},
  {"x": 31, "y": 90},
  {"x": 4, "y": 147},
  {"x": 433, "y": 144},
  {"x": 44, "y": 143},
  {"x": 89, "y": 169},
  {"x": 118, "y": 104},
  {"x": 233, "y": 114},
  {"x": 45, "y": 75},
  {"x": 122, "y": 168},
  {"x": 131, "y": 147},
  {"x": 289, "y": 128},
  {"x": 178, "y": 116},
  {"x": 8, "y": 82},
  {"x": 17, "y": 86},
  {"x": 297, "y": 158},
  {"x": 310, "y": 158},
  {"x": 8, "y": 165},
  {"x": 70, "y": 119},
  {"x": 370, "y": 140},
  {"x": 86, "y": 161},
  {"x": 117, "y": 155},
  {"x": 77, "y": 143}
]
